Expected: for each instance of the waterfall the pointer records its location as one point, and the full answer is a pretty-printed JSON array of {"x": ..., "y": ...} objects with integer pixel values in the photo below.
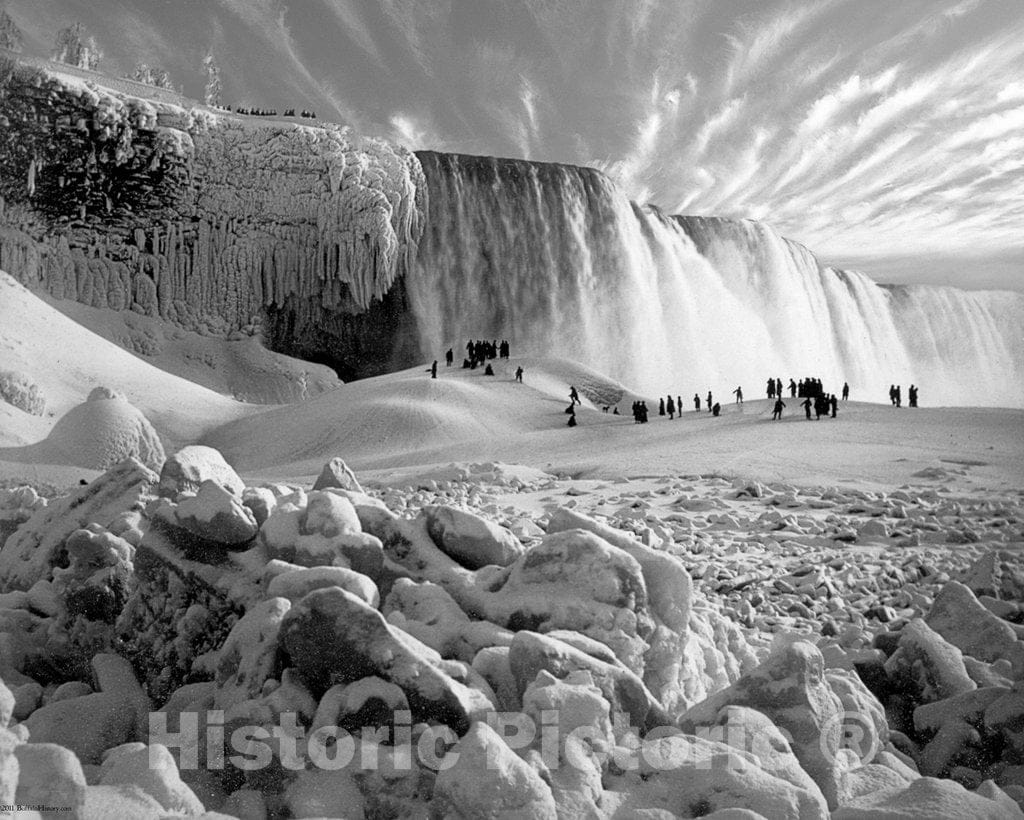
[{"x": 557, "y": 260}]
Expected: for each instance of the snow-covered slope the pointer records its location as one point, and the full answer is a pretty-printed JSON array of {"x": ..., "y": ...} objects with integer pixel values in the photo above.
[
  {"x": 239, "y": 366},
  {"x": 67, "y": 361}
]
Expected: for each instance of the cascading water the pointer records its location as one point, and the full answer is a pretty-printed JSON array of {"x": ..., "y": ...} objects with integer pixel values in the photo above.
[{"x": 555, "y": 259}]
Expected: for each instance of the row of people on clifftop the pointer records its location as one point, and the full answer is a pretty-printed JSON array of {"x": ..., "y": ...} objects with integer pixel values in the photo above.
[{"x": 269, "y": 112}]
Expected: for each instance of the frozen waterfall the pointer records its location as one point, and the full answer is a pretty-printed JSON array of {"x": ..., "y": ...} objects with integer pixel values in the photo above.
[{"x": 555, "y": 259}]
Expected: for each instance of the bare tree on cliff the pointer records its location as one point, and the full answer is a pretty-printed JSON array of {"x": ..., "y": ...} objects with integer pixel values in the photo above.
[
  {"x": 10, "y": 34},
  {"x": 73, "y": 48},
  {"x": 213, "y": 87},
  {"x": 151, "y": 75}
]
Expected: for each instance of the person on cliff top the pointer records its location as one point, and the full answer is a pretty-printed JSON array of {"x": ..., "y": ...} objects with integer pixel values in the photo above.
[
  {"x": 833, "y": 403},
  {"x": 519, "y": 374},
  {"x": 488, "y": 371},
  {"x": 433, "y": 370},
  {"x": 846, "y": 391},
  {"x": 771, "y": 388},
  {"x": 696, "y": 402},
  {"x": 670, "y": 405},
  {"x": 661, "y": 407},
  {"x": 807, "y": 404},
  {"x": 716, "y": 409},
  {"x": 449, "y": 357},
  {"x": 709, "y": 401},
  {"x": 574, "y": 397},
  {"x": 738, "y": 392},
  {"x": 777, "y": 412},
  {"x": 792, "y": 389}
]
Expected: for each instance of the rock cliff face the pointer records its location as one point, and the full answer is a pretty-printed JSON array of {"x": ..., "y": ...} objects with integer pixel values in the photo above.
[{"x": 212, "y": 220}]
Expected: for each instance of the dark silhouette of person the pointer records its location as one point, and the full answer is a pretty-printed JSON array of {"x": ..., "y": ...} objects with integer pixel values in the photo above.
[
  {"x": 636, "y": 412},
  {"x": 433, "y": 370},
  {"x": 572, "y": 416},
  {"x": 820, "y": 407},
  {"x": 912, "y": 396},
  {"x": 615, "y": 411},
  {"x": 833, "y": 403},
  {"x": 696, "y": 402},
  {"x": 709, "y": 401},
  {"x": 449, "y": 357},
  {"x": 771, "y": 388},
  {"x": 716, "y": 409},
  {"x": 661, "y": 407},
  {"x": 574, "y": 397},
  {"x": 778, "y": 387},
  {"x": 800, "y": 390},
  {"x": 643, "y": 412},
  {"x": 792, "y": 389},
  {"x": 807, "y": 404},
  {"x": 671, "y": 407},
  {"x": 777, "y": 412},
  {"x": 739, "y": 394},
  {"x": 892, "y": 394},
  {"x": 899, "y": 397},
  {"x": 488, "y": 371},
  {"x": 679, "y": 404},
  {"x": 519, "y": 374},
  {"x": 846, "y": 391}
]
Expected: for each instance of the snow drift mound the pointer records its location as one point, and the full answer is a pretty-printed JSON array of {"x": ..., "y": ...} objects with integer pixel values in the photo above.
[
  {"x": 408, "y": 411},
  {"x": 97, "y": 434}
]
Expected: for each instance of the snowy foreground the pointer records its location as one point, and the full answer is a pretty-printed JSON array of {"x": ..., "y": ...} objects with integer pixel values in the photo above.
[{"x": 494, "y": 615}]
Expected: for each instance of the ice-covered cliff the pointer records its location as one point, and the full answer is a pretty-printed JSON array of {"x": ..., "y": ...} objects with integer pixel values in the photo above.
[
  {"x": 213, "y": 220},
  {"x": 557, "y": 259}
]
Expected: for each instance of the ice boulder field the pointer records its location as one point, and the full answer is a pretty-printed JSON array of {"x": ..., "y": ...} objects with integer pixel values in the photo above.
[{"x": 410, "y": 597}]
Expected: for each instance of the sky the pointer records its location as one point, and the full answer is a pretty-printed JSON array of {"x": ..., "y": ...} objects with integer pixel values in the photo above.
[{"x": 886, "y": 135}]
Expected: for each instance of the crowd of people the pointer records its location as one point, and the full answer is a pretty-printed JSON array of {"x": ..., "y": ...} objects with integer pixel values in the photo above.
[
  {"x": 480, "y": 351},
  {"x": 816, "y": 399}
]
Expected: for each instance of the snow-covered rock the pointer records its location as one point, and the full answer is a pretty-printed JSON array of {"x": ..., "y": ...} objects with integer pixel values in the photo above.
[
  {"x": 332, "y": 636},
  {"x": 790, "y": 687},
  {"x": 212, "y": 515},
  {"x": 296, "y": 583},
  {"x": 87, "y": 725},
  {"x": 933, "y": 665},
  {"x": 101, "y": 432},
  {"x": 188, "y": 468},
  {"x": 153, "y": 770},
  {"x": 49, "y": 775},
  {"x": 249, "y": 654},
  {"x": 531, "y": 653},
  {"x": 325, "y": 530},
  {"x": 930, "y": 799},
  {"x": 489, "y": 780},
  {"x": 32, "y": 552},
  {"x": 336, "y": 473},
  {"x": 471, "y": 540},
  {"x": 960, "y": 618}
]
